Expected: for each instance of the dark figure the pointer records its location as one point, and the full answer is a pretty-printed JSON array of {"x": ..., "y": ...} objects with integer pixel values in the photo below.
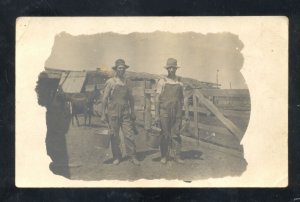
[
  {"x": 168, "y": 108},
  {"x": 58, "y": 120},
  {"x": 119, "y": 103},
  {"x": 84, "y": 104}
]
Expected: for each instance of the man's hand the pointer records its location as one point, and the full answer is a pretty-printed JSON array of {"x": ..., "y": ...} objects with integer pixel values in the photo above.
[{"x": 187, "y": 118}]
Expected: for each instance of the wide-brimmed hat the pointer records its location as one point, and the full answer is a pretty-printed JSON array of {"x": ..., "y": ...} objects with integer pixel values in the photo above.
[
  {"x": 120, "y": 63},
  {"x": 171, "y": 62}
]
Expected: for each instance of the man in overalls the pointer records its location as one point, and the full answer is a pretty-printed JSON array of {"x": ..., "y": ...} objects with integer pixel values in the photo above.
[
  {"x": 168, "y": 110},
  {"x": 118, "y": 110}
]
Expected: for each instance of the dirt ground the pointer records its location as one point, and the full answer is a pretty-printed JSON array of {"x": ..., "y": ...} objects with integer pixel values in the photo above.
[{"x": 88, "y": 161}]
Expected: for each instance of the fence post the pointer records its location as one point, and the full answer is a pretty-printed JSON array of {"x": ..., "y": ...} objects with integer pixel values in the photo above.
[
  {"x": 195, "y": 109},
  {"x": 148, "y": 116}
]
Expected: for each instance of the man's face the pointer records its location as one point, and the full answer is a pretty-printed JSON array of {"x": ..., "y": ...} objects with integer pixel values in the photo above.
[
  {"x": 172, "y": 71},
  {"x": 120, "y": 70}
]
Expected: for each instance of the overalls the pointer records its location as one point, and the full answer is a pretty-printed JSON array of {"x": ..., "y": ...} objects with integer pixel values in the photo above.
[
  {"x": 119, "y": 117},
  {"x": 171, "y": 118}
]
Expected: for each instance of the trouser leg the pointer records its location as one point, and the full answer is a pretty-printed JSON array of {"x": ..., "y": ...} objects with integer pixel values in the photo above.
[
  {"x": 165, "y": 139},
  {"x": 114, "y": 125},
  {"x": 129, "y": 137},
  {"x": 175, "y": 137}
]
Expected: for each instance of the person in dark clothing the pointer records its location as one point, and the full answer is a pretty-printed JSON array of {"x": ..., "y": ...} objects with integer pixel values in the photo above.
[
  {"x": 58, "y": 119},
  {"x": 168, "y": 112},
  {"x": 118, "y": 110}
]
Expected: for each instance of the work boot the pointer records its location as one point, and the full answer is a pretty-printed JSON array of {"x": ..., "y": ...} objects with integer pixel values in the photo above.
[
  {"x": 116, "y": 161},
  {"x": 134, "y": 161},
  {"x": 163, "y": 160}
]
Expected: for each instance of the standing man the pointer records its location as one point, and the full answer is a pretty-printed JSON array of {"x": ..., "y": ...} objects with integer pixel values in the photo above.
[
  {"x": 118, "y": 102},
  {"x": 168, "y": 112}
]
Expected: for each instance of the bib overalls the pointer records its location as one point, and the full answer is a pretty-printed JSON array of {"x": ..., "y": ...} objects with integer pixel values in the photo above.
[
  {"x": 170, "y": 111},
  {"x": 118, "y": 112}
]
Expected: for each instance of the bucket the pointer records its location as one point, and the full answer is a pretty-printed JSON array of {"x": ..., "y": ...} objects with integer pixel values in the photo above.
[
  {"x": 153, "y": 137},
  {"x": 79, "y": 99},
  {"x": 103, "y": 138}
]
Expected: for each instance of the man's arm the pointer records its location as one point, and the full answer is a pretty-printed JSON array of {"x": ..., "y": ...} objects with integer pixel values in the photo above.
[
  {"x": 158, "y": 90},
  {"x": 106, "y": 93},
  {"x": 157, "y": 106}
]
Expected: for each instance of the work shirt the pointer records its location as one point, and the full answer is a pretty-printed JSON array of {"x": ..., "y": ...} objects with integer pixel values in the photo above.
[
  {"x": 162, "y": 82},
  {"x": 111, "y": 84}
]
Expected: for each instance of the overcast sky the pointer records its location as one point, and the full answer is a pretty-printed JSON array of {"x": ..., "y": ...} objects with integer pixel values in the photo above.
[{"x": 200, "y": 56}]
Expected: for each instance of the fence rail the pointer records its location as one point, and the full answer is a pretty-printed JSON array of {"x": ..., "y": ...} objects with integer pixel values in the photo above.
[{"x": 206, "y": 103}]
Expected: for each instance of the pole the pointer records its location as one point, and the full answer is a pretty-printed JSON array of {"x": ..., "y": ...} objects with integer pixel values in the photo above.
[{"x": 217, "y": 78}]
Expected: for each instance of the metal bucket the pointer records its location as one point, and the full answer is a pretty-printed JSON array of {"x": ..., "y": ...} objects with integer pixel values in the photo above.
[
  {"x": 103, "y": 138},
  {"x": 153, "y": 137}
]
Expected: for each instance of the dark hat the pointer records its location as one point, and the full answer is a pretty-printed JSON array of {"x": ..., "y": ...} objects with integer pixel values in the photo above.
[
  {"x": 171, "y": 62},
  {"x": 120, "y": 62}
]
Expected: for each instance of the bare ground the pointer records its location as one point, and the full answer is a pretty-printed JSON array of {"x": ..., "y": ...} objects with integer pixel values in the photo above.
[{"x": 88, "y": 161}]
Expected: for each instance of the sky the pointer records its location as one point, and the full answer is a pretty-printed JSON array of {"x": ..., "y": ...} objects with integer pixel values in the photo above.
[{"x": 201, "y": 56}]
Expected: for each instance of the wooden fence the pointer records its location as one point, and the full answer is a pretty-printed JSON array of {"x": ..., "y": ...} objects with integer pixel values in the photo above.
[{"x": 218, "y": 118}]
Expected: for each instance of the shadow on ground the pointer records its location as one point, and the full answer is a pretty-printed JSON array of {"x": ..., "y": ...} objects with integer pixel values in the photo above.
[{"x": 96, "y": 162}]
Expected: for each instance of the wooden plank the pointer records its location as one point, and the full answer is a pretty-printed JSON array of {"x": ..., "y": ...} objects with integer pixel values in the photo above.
[
  {"x": 139, "y": 90},
  {"x": 233, "y": 128},
  {"x": 226, "y": 92},
  {"x": 139, "y": 96},
  {"x": 235, "y": 113},
  {"x": 232, "y": 152},
  {"x": 139, "y": 108},
  {"x": 202, "y": 110},
  {"x": 135, "y": 83},
  {"x": 152, "y": 91},
  {"x": 148, "y": 115},
  {"x": 195, "y": 115},
  {"x": 236, "y": 108},
  {"x": 149, "y": 91},
  {"x": 226, "y": 112},
  {"x": 152, "y": 107},
  {"x": 211, "y": 128}
]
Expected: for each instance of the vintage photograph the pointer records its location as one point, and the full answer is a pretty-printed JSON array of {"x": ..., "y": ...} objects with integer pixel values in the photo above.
[
  {"x": 137, "y": 117},
  {"x": 153, "y": 99}
]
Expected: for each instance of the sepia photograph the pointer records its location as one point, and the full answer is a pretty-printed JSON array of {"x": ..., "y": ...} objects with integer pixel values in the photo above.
[{"x": 151, "y": 101}]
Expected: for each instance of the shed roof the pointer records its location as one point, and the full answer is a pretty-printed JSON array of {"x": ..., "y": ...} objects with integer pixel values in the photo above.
[{"x": 72, "y": 82}]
